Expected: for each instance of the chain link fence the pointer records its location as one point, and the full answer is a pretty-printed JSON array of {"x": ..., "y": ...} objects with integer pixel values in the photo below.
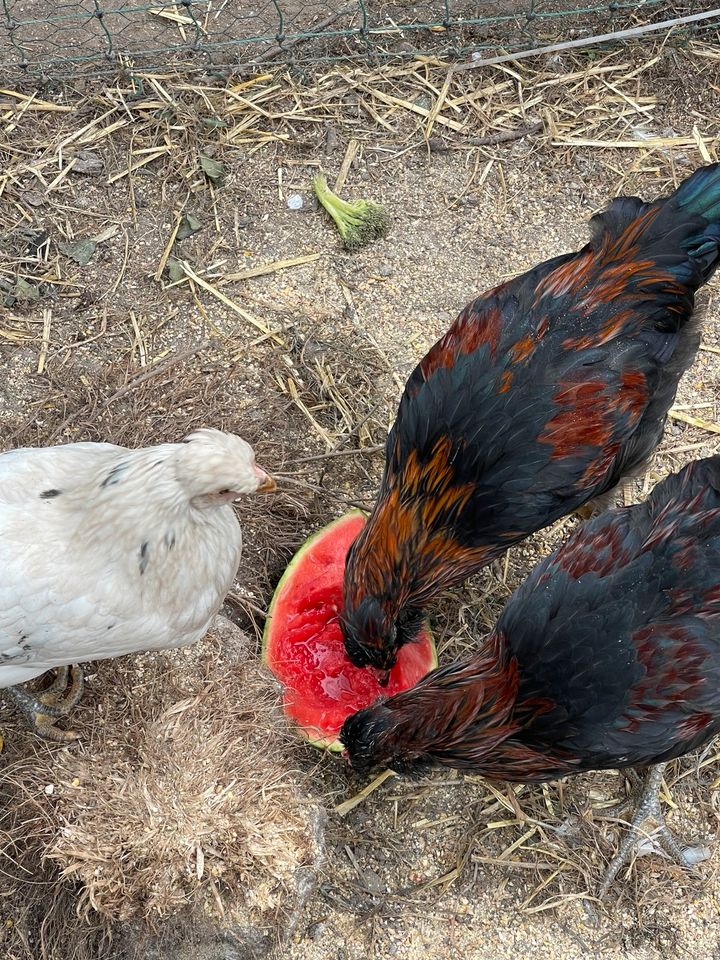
[{"x": 65, "y": 38}]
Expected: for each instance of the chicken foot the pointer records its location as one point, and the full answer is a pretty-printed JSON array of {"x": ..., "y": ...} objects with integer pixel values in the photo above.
[
  {"x": 624, "y": 489},
  {"x": 648, "y": 805},
  {"x": 44, "y": 709},
  {"x": 621, "y": 808}
]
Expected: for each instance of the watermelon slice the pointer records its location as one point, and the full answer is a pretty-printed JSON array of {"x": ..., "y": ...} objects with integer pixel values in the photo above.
[{"x": 303, "y": 643}]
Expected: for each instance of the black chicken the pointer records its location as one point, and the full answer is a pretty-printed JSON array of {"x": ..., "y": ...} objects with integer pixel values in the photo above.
[
  {"x": 544, "y": 393},
  {"x": 607, "y": 656}
]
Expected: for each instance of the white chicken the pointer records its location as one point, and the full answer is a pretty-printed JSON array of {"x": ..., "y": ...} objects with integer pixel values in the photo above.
[{"x": 106, "y": 551}]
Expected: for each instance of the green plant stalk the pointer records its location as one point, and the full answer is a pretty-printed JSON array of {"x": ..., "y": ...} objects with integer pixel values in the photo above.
[
  {"x": 359, "y": 222},
  {"x": 331, "y": 201}
]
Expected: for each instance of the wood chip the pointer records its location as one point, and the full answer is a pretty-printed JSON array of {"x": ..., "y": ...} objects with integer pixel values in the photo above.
[
  {"x": 352, "y": 149},
  {"x": 219, "y": 295},
  {"x": 47, "y": 320},
  {"x": 162, "y": 263},
  {"x": 268, "y": 268}
]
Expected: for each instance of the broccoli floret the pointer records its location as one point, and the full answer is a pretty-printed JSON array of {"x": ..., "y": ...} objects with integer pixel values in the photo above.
[{"x": 359, "y": 222}]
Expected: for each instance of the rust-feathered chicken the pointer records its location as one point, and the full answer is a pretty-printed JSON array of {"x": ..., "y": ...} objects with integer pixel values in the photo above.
[
  {"x": 544, "y": 393},
  {"x": 607, "y": 656}
]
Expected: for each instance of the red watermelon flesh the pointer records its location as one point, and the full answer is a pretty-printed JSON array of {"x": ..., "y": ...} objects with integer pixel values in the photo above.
[{"x": 303, "y": 642}]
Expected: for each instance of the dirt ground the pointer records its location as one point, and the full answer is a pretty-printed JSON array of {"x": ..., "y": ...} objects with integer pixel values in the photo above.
[{"x": 307, "y": 361}]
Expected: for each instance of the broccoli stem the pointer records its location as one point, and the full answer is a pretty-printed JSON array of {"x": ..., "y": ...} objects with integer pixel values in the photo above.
[
  {"x": 331, "y": 201},
  {"x": 359, "y": 222}
]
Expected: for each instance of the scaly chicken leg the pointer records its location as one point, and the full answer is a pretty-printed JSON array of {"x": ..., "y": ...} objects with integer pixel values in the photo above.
[
  {"x": 648, "y": 805},
  {"x": 626, "y": 489},
  {"x": 43, "y": 709}
]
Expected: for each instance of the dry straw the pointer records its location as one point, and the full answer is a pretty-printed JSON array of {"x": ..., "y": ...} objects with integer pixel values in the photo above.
[{"x": 311, "y": 385}]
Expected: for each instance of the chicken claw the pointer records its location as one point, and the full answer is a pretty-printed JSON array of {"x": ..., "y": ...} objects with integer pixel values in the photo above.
[
  {"x": 44, "y": 709},
  {"x": 626, "y": 491},
  {"x": 647, "y": 806}
]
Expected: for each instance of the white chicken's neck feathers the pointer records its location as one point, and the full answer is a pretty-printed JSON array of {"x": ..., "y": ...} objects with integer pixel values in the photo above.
[
  {"x": 135, "y": 505},
  {"x": 195, "y": 471},
  {"x": 150, "y": 474}
]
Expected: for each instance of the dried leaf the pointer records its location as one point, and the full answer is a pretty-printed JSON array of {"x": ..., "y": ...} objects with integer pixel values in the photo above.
[
  {"x": 7, "y": 293},
  {"x": 81, "y": 251},
  {"x": 36, "y": 239},
  {"x": 34, "y": 197},
  {"x": 188, "y": 226},
  {"x": 24, "y": 290},
  {"x": 175, "y": 270},
  {"x": 105, "y": 234},
  {"x": 89, "y": 163},
  {"x": 213, "y": 169}
]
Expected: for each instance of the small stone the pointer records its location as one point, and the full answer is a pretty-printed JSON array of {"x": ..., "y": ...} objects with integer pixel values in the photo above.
[
  {"x": 49, "y": 789},
  {"x": 372, "y": 881},
  {"x": 295, "y": 201},
  {"x": 88, "y": 163},
  {"x": 318, "y": 930}
]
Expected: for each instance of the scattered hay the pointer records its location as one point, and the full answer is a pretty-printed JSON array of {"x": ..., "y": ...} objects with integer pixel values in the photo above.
[
  {"x": 182, "y": 799},
  {"x": 133, "y": 348}
]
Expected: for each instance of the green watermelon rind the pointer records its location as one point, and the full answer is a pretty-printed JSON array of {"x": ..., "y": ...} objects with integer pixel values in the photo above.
[
  {"x": 289, "y": 570},
  {"x": 322, "y": 743}
]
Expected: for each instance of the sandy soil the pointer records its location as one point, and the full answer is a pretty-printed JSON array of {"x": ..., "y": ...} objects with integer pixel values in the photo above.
[{"x": 450, "y": 866}]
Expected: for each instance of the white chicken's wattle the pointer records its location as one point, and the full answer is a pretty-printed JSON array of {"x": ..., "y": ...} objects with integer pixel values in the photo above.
[{"x": 107, "y": 551}]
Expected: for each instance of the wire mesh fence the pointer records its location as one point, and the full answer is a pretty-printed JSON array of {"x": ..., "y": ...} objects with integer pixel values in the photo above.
[{"x": 70, "y": 37}]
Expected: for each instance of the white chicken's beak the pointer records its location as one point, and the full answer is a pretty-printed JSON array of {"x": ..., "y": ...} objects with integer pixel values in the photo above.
[{"x": 267, "y": 483}]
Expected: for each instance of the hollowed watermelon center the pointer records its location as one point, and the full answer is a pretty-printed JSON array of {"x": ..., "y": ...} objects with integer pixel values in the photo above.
[{"x": 303, "y": 642}]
